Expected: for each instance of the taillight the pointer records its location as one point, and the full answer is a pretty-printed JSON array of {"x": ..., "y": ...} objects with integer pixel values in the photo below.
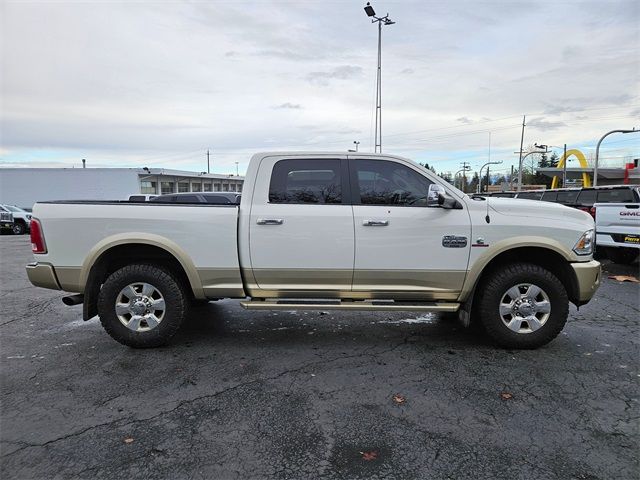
[{"x": 37, "y": 238}]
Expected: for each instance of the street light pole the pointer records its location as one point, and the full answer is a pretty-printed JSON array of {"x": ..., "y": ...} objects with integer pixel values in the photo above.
[
  {"x": 380, "y": 21},
  {"x": 595, "y": 168},
  {"x": 480, "y": 174},
  {"x": 522, "y": 162}
]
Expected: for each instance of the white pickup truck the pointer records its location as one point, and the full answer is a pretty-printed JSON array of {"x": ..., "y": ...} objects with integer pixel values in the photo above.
[
  {"x": 322, "y": 231},
  {"x": 618, "y": 230}
]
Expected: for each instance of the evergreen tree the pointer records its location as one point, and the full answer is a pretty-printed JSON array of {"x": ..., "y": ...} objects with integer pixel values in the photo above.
[
  {"x": 447, "y": 177},
  {"x": 472, "y": 185}
]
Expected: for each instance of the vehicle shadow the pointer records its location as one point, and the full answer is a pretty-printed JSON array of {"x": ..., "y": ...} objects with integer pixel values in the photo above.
[{"x": 224, "y": 323}]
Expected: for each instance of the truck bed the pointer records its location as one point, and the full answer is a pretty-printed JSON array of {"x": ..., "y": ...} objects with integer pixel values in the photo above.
[{"x": 203, "y": 237}]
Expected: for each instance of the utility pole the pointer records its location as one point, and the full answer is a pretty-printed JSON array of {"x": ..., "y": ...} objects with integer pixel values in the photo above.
[
  {"x": 564, "y": 167},
  {"x": 380, "y": 21},
  {"x": 208, "y": 168},
  {"x": 524, "y": 117},
  {"x": 237, "y": 169},
  {"x": 465, "y": 166},
  {"x": 511, "y": 179}
]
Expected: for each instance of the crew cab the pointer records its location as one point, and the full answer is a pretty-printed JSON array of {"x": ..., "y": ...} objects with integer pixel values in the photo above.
[{"x": 322, "y": 231}]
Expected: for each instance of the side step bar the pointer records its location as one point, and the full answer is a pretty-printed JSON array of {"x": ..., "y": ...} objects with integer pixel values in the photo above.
[{"x": 349, "y": 305}]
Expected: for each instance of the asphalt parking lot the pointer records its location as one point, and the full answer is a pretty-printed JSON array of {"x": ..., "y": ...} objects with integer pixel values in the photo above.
[{"x": 302, "y": 395}]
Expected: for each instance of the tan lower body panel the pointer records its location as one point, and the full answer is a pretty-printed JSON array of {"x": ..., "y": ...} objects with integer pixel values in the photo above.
[
  {"x": 367, "y": 284},
  {"x": 221, "y": 282},
  {"x": 69, "y": 279},
  {"x": 588, "y": 275}
]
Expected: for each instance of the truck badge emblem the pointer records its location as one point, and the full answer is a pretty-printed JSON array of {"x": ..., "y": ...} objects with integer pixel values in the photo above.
[{"x": 454, "y": 241}]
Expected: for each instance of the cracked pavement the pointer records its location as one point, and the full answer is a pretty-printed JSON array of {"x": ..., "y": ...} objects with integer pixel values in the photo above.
[{"x": 242, "y": 395}]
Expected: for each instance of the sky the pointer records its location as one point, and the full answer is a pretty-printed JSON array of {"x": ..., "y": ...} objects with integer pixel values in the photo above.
[{"x": 157, "y": 83}]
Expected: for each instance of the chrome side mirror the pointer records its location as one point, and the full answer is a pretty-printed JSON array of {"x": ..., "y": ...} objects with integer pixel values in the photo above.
[{"x": 433, "y": 196}]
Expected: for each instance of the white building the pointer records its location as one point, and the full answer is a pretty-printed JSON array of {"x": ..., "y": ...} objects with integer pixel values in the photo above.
[{"x": 25, "y": 186}]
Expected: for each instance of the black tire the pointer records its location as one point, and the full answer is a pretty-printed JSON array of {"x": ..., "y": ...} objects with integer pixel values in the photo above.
[
  {"x": 495, "y": 286},
  {"x": 621, "y": 255},
  {"x": 175, "y": 299},
  {"x": 19, "y": 228}
]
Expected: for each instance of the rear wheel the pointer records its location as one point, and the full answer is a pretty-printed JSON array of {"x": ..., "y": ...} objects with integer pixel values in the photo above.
[
  {"x": 19, "y": 228},
  {"x": 523, "y": 306},
  {"x": 622, "y": 255},
  {"x": 142, "y": 306}
]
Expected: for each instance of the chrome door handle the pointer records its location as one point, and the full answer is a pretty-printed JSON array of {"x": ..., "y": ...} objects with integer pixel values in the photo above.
[
  {"x": 375, "y": 223},
  {"x": 270, "y": 221}
]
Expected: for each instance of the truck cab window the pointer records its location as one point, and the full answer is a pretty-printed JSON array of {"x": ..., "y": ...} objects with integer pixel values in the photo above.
[
  {"x": 306, "y": 181},
  {"x": 382, "y": 182}
]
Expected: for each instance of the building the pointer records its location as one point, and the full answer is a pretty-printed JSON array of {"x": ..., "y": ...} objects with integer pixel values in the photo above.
[
  {"x": 25, "y": 186},
  {"x": 161, "y": 180}
]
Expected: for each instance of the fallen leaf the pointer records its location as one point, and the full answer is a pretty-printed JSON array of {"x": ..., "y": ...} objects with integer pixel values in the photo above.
[
  {"x": 399, "y": 399},
  {"x": 506, "y": 396},
  {"x": 624, "y": 278},
  {"x": 128, "y": 440},
  {"x": 368, "y": 456}
]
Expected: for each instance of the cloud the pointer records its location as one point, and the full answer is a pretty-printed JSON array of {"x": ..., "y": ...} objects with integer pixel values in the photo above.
[
  {"x": 343, "y": 72},
  {"x": 80, "y": 81},
  {"x": 544, "y": 125},
  {"x": 288, "y": 106}
]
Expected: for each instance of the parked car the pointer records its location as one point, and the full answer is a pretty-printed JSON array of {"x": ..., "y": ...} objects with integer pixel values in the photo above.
[
  {"x": 6, "y": 220},
  {"x": 618, "y": 230},
  {"x": 141, "y": 197},
  {"x": 317, "y": 232},
  {"x": 21, "y": 219},
  {"x": 215, "y": 198}
]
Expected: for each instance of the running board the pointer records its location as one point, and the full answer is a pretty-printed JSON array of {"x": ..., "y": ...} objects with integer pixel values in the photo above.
[{"x": 349, "y": 305}]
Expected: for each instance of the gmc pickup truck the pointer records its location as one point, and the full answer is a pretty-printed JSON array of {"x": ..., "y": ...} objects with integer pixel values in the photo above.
[
  {"x": 322, "y": 231},
  {"x": 618, "y": 230}
]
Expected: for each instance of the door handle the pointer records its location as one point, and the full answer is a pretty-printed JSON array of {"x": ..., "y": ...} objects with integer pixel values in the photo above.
[
  {"x": 270, "y": 221},
  {"x": 375, "y": 223}
]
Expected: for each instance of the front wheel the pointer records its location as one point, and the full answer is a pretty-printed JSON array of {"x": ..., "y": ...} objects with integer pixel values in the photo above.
[
  {"x": 522, "y": 306},
  {"x": 142, "y": 306}
]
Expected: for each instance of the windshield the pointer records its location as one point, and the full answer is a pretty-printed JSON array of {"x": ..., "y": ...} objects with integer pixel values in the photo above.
[{"x": 13, "y": 209}]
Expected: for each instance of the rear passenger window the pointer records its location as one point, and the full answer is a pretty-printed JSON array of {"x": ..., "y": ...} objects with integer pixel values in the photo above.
[
  {"x": 568, "y": 197},
  {"x": 586, "y": 198},
  {"x": 306, "y": 181},
  {"x": 617, "y": 195}
]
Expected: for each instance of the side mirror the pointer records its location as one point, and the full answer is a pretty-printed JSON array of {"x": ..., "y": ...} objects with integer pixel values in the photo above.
[
  {"x": 434, "y": 194},
  {"x": 448, "y": 202}
]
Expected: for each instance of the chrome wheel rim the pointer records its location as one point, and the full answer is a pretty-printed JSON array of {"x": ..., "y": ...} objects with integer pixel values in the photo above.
[
  {"x": 525, "y": 308},
  {"x": 140, "y": 307}
]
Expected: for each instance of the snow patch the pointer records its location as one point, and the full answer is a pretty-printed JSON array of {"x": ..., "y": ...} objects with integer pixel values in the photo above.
[{"x": 426, "y": 318}]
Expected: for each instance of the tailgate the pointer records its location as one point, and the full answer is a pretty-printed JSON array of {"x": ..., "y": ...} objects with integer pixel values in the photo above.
[{"x": 618, "y": 223}]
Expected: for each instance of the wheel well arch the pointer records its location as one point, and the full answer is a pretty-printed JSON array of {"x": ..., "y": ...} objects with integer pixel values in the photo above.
[
  {"x": 118, "y": 256},
  {"x": 544, "y": 257}
]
